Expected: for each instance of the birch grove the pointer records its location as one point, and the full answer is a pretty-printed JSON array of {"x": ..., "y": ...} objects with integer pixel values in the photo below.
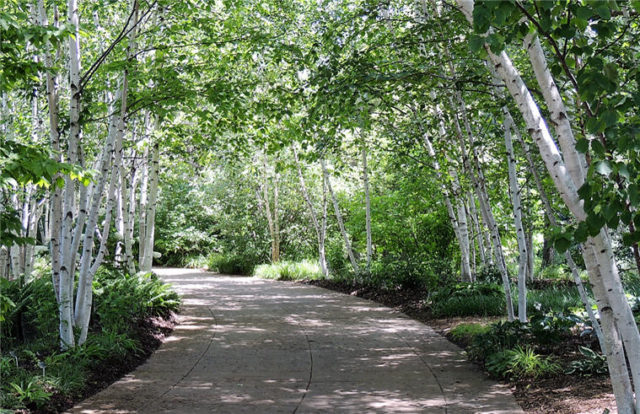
[{"x": 467, "y": 158}]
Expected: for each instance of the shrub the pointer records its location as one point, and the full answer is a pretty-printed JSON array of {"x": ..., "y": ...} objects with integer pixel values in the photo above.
[
  {"x": 499, "y": 337},
  {"x": 232, "y": 264},
  {"x": 591, "y": 363},
  {"x": 489, "y": 274},
  {"x": 286, "y": 270},
  {"x": 120, "y": 299},
  {"x": 468, "y": 299},
  {"x": 554, "y": 299},
  {"x": 465, "y": 332},
  {"x": 552, "y": 328}
]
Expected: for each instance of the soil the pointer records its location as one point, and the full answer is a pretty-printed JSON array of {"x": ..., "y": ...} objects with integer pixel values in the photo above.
[
  {"x": 562, "y": 394},
  {"x": 149, "y": 332}
]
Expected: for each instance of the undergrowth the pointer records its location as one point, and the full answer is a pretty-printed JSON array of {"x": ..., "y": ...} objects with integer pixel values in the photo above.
[
  {"x": 286, "y": 270},
  {"x": 34, "y": 373}
]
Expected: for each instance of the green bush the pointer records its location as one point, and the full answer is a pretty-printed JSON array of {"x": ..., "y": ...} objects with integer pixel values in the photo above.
[
  {"x": 552, "y": 328},
  {"x": 31, "y": 326},
  {"x": 286, "y": 270},
  {"x": 553, "y": 299},
  {"x": 499, "y": 337},
  {"x": 591, "y": 363},
  {"x": 465, "y": 332},
  {"x": 468, "y": 299},
  {"x": 489, "y": 274},
  {"x": 232, "y": 264},
  {"x": 120, "y": 299}
]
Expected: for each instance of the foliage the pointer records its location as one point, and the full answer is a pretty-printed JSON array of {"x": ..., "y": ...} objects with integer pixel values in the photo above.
[
  {"x": 520, "y": 363},
  {"x": 552, "y": 328},
  {"x": 285, "y": 270},
  {"x": 30, "y": 331},
  {"x": 553, "y": 299},
  {"x": 120, "y": 299},
  {"x": 232, "y": 264},
  {"x": 591, "y": 363},
  {"x": 500, "y": 336},
  {"x": 466, "y": 332},
  {"x": 468, "y": 299}
]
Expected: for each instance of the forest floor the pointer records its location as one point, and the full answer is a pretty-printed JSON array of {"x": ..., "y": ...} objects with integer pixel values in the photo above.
[{"x": 562, "y": 394}]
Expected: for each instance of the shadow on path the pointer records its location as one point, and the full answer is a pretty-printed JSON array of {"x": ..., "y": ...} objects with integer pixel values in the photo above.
[{"x": 259, "y": 346}]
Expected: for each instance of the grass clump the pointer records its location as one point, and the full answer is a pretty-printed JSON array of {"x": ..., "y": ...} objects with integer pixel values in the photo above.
[
  {"x": 285, "y": 270},
  {"x": 468, "y": 299},
  {"x": 521, "y": 363}
]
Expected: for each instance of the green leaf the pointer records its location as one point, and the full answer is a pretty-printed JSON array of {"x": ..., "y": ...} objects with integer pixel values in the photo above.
[
  {"x": 582, "y": 145},
  {"x": 604, "y": 167},
  {"x": 609, "y": 117},
  {"x": 476, "y": 43},
  {"x": 584, "y": 12},
  {"x": 581, "y": 233},
  {"x": 594, "y": 223},
  {"x": 597, "y": 148},
  {"x": 584, "y": 191},
  {"x": 604, "y": 11},
  {"x": 634, "y": 195},
  {"x": 562, "y": 243},
  {"x": 611, "y": 71}
]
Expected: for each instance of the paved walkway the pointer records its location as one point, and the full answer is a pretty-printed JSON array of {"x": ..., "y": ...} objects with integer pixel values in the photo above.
[{"x": 247, "y": 345}]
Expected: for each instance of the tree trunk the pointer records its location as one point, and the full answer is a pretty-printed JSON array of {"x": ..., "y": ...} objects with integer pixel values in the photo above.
[
  {"x": 336, "y": 208},
  {"x": 150, "y": 215},
  {"x": 367, "y": 205},
  {"x": 319, "y": 229},
  {"x": 475, "y": 173},
  {"x": 602, "y": 270},
  {"x": 271, "y": 217},
  {"x": 514, "y": 191},
  {"x": 55, "y": 215}
]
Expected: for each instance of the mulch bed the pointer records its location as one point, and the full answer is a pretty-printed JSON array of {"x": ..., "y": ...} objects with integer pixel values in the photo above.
[{"x": 562, "y": 394}]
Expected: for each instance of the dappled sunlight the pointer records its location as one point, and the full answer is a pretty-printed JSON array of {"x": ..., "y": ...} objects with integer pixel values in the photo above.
[{"x": 263, "y": 346}]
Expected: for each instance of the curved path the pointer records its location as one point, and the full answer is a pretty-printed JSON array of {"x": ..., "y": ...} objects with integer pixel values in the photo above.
[{"x": 247, "y": 345}]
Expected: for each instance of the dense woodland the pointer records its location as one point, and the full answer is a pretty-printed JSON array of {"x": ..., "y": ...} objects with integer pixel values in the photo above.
[{"x": 474, "y": 151}]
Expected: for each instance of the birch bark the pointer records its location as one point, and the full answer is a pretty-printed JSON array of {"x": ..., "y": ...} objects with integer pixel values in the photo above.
[
  {"x": 367, "y": 204},
  {"x": 319, "y": 227},
  {"x": 602, "y": 270},
  {"x": 336, "y": 208},
  {"x": 514, "y": 191},
  {"x": 475, "y": 173}
]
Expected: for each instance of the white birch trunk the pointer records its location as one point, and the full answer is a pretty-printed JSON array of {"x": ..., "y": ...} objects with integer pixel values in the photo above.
[
  {"x": 271, "y": 217},
  {"x": 144, "y": 192},
  {"x": 55, "y": 216},
  {"x": 150, "y": 214},
  {"x": 367, "y": 205},
  {"x": 552, "y": 220},
  {"x": 336, "y": 208},
  {"x": 4, "y": 261},
  {"x": 602, "y": 269},
  {"x": 463, "y": 227},
  {"x": 127, "y": 218},
  {"x": 485, "y": 207},
  {"x": 314, "y": 217},
  {"x": 455, "y": 220},
  {"x": 67, "y": 339},
  {"x": 514, "y": 191}
]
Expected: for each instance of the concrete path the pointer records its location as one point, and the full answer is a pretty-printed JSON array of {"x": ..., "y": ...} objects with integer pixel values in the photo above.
[{"x": 247, "y": 345}]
